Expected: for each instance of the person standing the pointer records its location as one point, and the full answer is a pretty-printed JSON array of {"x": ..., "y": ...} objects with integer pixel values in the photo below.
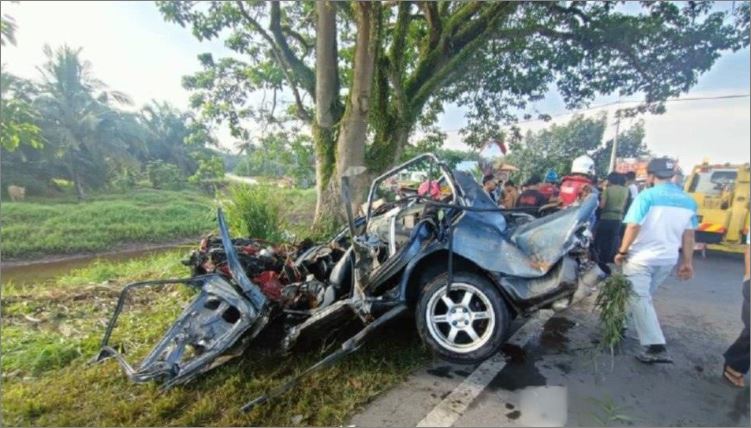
[
  {"x": 510, "y": 194},
  {"x": 489, "y": 184},
  {"x": 531, "y": 197},
  {"x": 631, "y": 184},
  {"x": 613, "y": 200},
  {"x": 660, "y": 221},
  {"x": 582, "y": 174},
  {"x": 737, "y": 356}
]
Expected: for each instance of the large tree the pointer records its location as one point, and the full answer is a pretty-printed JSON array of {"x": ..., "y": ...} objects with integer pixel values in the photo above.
[{"x": 366, "y": 75}]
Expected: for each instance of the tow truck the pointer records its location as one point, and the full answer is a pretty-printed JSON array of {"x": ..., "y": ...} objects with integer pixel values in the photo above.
[{"x": 721, "y": 192}]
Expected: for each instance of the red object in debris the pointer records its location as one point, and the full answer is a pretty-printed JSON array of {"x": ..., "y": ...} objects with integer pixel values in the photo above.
[
  {"x": 430, "y": 188},
  {"x": 249, "y": 250},
  {"x": 270, "y": 285},
  {"x": 224, "y": 270},
  {"x": 570, "y": 188}
]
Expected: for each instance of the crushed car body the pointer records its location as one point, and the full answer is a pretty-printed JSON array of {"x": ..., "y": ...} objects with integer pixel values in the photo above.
[{"x": 430, "y": 241}]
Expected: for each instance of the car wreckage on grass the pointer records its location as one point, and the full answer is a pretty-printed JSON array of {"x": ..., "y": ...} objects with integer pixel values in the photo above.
[{"x": 440, "y": 248}]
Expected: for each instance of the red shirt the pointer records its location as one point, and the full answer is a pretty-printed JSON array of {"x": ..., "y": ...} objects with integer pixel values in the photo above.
[
  {"x": 570, "y": 188},
  {"x": 548, "y": 189}
]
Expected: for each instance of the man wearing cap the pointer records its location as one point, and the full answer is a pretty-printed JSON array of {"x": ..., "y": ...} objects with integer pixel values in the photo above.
[
  {"x": 660, "y": 221},
  {"x": 489, "y": 184}
]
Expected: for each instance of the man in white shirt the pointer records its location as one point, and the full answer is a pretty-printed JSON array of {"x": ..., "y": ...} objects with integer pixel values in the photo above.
[{"x": 660, "y": 220}]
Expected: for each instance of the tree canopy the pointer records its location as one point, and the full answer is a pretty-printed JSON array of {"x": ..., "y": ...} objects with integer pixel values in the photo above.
[
  {"x": 365, "y": 76},
  {"x": 557, "y": 145}
]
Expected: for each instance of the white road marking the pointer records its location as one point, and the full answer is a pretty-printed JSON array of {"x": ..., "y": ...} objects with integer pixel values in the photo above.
[{"x": 448, "y": 411}]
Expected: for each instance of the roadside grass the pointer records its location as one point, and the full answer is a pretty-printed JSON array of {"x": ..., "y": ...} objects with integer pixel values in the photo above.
[
  {"x": 105, "y": 222},
  {"x": 108, "y": 222},
  {"x": 52, "y": 329},
  {"x": 50, "y": 332}
]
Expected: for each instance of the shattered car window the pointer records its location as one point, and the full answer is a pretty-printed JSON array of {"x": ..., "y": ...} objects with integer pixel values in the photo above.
[{"x": 399, "y": 201}]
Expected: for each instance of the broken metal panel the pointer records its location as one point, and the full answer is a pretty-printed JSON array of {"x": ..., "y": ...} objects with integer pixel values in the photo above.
[
  {"x": 528, "y": 251},
  {"x": 210, "y": 325},
  {"x": 251, "y": 291}
]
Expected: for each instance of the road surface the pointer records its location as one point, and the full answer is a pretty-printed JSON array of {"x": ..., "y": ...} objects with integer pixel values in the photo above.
[{"x": 557, "y": 377}]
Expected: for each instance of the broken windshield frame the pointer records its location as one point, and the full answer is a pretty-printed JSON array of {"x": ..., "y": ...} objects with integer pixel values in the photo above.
[{"x": 393, "y": 171}]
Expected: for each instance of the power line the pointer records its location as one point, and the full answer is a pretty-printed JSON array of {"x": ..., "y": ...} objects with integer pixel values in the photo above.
[{"x": 719, "y": 97}]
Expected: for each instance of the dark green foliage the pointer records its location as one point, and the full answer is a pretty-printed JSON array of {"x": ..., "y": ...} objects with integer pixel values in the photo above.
[
  {"x": 556, "y": 146},
  {"x": 612, "y": 302},
  {"x": 68, "y": 126},
  {"x": 165, "y": 176},
  {"x": 280, "y": 154}
]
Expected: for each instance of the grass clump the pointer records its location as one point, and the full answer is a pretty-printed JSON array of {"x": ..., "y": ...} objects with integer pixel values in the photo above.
[
  {"x": 257, "y": 211},
  {"x": 102, "y": 223},
  {"x": 612, "y": 303}
]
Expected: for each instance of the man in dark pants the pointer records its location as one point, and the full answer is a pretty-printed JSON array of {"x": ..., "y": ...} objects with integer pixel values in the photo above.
[{"x": 737, "y": 356}]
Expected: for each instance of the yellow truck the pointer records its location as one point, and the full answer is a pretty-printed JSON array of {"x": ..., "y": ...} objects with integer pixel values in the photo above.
[{"x": 721, "y": 192}]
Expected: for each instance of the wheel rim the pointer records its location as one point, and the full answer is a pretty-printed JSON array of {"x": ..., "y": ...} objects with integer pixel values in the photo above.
[{"x": 462, "y": 321}]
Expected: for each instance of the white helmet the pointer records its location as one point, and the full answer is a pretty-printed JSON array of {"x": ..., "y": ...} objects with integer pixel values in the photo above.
[{"x": 583, "y": 165}]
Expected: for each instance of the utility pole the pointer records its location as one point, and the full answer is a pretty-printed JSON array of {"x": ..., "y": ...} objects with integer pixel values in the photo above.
[{"x": 613, "y": 153}]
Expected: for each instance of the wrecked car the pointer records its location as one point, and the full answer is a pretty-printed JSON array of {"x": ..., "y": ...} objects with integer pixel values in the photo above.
[{"x": 430, "y": 240}]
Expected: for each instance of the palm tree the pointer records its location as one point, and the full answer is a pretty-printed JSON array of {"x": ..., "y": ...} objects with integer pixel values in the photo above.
[
  {"x": 78, "y": 116},
  {"x": 168, "y": 133},
  {"x": 17, "y": 116}
]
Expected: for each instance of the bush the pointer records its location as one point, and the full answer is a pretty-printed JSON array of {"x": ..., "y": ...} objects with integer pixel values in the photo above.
[
  {"x": 255, "y": 211},
  {"x": 165, "y": 176}
]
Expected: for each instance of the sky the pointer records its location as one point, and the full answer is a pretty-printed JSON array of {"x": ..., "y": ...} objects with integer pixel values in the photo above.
[{"x": 135, "y": 51}]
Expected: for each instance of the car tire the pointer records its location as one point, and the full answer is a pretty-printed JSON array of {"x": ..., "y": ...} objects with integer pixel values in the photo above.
[{"x": 459, "y": 330}]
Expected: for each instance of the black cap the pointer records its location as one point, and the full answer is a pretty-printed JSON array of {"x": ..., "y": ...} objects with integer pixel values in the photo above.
[{"x": 661, "y": 167}]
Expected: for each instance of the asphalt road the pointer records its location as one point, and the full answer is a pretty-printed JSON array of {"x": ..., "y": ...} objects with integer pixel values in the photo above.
[{"x": 558, "y": 377}]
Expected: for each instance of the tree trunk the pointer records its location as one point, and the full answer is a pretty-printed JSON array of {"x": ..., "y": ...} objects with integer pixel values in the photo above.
[
  {"x": 328, "y": 113},
  {"x": 354, "y": 125},
  {"x": 77, "y": 182},
  {"x": 389, "y": 144}
]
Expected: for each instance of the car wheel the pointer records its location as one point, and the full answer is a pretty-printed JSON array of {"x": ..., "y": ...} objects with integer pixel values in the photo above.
[{"x": 468, "y": 324}]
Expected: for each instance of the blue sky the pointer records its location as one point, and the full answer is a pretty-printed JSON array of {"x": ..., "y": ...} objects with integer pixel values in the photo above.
[{"x": 134, "y": 50}]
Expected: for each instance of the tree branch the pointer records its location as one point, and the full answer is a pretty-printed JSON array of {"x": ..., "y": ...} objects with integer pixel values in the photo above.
[
  {"x": 396, "y": 53},
  {"x": 448, "y": 54},
  {"x": 297, "y": 36},
  {"x": 302, "y": 72},
  {"x": 278, "y": 56},
  {"x": 430, "y": 9},
  {"x": 571, "y": 10}
]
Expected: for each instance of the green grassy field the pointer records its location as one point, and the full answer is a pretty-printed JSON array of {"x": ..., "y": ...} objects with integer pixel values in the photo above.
[
  {"x": 109, "y": 222},
  {"x": 51, "y": 330},
  {"x": 103, "y": 223}
]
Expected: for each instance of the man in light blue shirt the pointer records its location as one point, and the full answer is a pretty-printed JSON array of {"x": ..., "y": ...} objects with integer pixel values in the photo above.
[{"x": 660, "y": 221}]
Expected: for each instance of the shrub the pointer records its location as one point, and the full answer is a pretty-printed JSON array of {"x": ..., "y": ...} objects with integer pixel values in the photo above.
[
  {"x": 165, "y": 176},
  {"x": 254, "y": 210}
]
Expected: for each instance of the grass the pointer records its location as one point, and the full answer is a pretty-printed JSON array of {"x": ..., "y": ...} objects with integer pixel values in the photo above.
[
  {"x": 51, "y": 330},
  {"x": 105, "y": 222},
  {"x": 609, "y": 412}
]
